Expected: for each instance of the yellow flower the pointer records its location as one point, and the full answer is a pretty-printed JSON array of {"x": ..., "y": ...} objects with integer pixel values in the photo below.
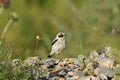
[{"x": 38, "y": 37}]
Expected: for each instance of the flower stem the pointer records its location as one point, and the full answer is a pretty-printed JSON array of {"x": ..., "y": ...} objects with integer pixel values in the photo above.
[
  {"x": 5, "y": 30},
  {"x": 36, "y": 46},
  {"x": 1, "y": 9}
]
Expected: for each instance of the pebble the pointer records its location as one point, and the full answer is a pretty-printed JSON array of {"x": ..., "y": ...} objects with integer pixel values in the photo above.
[
  {"x": 106, "y": 71},
  {"x": 44, "y": 67},
  {"x": 117, "y": 69},
  {"x": 70, "y": 73}
]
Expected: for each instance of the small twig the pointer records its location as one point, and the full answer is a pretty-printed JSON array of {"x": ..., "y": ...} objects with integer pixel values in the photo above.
[
  {"x": 1, "y": 9},
  {"x": 5, "y": 30}
]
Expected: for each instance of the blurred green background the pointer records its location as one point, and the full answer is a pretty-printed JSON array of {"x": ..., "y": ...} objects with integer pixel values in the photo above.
[{"x": 87, "y": 23}]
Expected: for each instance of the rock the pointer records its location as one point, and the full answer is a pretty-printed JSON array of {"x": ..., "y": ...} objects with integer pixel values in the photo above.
[
  {"x": 93, "y": 54},
  {"x": 61, "y": 79},
  {"x": 68, "y": 68},
  {"x": 116, "y": 78},
  {"x": 90, "y": 78},
  {"x": 106, "y": 71},
  {"x": 81, "y": 57},
  {"x": 96, "y": 78},
  {"x": 41, "y": 78},
  {"x": 76, "y": 77},
  {"x": 70, "y": 73},
  {"x": 90, "y": 68},
  {"x": 32, "y": 61},
  {"x": 85, "y": 78},
  {"x": 106, "y": 62},
  {"x": 82, "y": 61},
  {"x": 52, "y": 75},
  {"x": 50, "y": 63},
  {"x": 102, "y": 77},
  {"x": 107, "y": 50},
  {"x": 54, "y": 78},
  {"x": 73, "y": 78},
  {"x": 58, "y": 67},
  {"x": 117, "y": 69},
  {"x": 57, "y": 61},
  {"x": 96, "y": 66},
  {"x": 86, "y": 61},
  {"x": 16, "y": 62},
  {"x": 44, "y": 67},
  {"x": 79, "y": 73},
  {"x": 62, "y": 73},
  {"x": 69, "y": 60},
  {"x": 76, "y": 62}
]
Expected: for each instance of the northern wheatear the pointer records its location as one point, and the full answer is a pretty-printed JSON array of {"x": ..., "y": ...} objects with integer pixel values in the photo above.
[{"x": 58, "y": 44}]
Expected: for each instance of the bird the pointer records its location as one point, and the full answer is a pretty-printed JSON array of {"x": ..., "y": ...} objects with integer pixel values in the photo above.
[{"x": 58, "y": 44}]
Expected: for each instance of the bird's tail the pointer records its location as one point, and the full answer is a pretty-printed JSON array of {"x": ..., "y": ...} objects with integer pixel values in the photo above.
[{"x": 49, "y": 56}]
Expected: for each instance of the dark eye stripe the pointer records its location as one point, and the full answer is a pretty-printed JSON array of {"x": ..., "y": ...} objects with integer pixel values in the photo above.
[{"x": 60, "y": 35}]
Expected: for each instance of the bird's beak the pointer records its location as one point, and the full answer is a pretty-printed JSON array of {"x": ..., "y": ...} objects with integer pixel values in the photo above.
[{"x": 65, "y": 35}]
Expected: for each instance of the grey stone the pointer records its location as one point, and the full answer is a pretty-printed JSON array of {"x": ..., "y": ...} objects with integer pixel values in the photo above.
[
  {"x": 52, "y": 75},
  {"x": 102, "y": 77},
  {"x": 79, "y": 73},
  {"x": 106, "y": 62},
  {"x": 50, "y": 63},
  {"x": 32, "y": 61},
  {"x": 106, "y": 71},
  {"x": 85, "y": 78},
  {"x": 117, "y": 69},
  {"x": 76, "y": 62},
  {"x": 93, "y": 67},
  {"x": 62, "y": 73},
  {"x": 93, "y": 54}
]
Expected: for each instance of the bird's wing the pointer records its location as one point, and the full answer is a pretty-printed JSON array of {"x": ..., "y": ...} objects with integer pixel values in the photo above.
[{"x": 54, "y": 41}]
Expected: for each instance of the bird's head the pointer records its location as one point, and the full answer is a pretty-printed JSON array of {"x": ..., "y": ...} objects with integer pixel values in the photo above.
[{"x": 61, "y": 35}]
